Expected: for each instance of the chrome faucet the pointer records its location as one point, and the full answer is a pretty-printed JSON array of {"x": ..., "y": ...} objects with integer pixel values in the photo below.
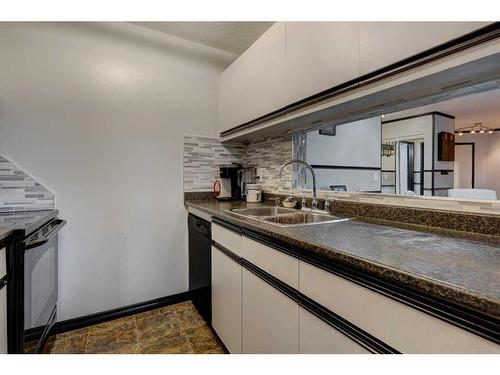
[{"x": 314, "y": 205}]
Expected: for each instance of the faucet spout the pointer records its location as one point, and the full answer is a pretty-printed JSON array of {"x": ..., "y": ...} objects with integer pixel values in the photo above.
[{"x": 298, "y": 161}]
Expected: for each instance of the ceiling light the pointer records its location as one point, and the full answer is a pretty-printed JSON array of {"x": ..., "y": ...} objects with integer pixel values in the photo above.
[{"x": 476, "y": 128}]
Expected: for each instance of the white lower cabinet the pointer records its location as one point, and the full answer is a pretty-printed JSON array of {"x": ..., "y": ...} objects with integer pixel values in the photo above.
[
  {"x": 406, "y": 329},
  {"x": 3, "y": 320},
  {"x": 252, "y": 316},
  {"x": 317, "y": 337},
  {"x": 226, "y": 300},
  {"x": 270, "y": 320}
]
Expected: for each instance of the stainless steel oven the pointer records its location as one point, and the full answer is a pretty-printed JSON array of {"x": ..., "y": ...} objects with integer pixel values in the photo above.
[
  {"x": 35, "y": 287},
  {"x": 41, "y": 279}
]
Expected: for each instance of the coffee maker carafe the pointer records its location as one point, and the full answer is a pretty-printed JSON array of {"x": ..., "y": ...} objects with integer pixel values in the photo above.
[{"x": 228, "y": 185}]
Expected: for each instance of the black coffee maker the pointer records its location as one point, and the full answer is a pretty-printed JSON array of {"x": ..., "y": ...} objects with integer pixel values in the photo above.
[{"x": 228, "y": 186}]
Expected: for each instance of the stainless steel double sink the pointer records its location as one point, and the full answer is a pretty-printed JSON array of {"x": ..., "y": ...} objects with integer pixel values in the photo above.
[{"x": 286, "y": 217}]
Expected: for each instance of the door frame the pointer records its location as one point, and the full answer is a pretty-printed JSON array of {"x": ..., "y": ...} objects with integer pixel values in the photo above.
[
  {"x": 473, "y": 144},
  {"x": 410, "y": 154}
]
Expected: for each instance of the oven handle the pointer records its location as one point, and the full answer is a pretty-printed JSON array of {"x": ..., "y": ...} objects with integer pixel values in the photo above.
[{"x": 31, "y": 244}]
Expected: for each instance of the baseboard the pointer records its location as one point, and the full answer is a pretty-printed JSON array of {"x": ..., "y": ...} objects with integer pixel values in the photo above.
[{"x": 120, "y": 312}]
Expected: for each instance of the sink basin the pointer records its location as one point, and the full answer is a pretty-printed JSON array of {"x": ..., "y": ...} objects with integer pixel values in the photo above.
[
  {"x": 263, "y": 211},
  {"x": 286, "y": 217}
]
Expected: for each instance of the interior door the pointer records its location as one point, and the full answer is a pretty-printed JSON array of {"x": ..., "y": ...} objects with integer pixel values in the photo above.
[
  {"x": 464, "y": 165},
  {"x": 404, "y": 170}
]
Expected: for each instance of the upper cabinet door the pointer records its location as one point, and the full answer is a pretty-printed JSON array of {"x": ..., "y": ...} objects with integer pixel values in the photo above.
[
  {"x": 320, "y": 55},
  {"x": 231, "y": 97},
  {"x": 264, "y": 67},
  {"x": 384, "y": 43}
]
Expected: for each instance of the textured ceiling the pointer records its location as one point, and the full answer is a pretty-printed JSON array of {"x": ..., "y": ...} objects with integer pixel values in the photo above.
[
  {"x": 483, "y": 107},
  {"x": 234, "y": 37}
]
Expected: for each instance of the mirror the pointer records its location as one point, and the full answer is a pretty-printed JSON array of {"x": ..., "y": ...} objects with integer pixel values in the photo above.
[{"x": 446, "y": 149}]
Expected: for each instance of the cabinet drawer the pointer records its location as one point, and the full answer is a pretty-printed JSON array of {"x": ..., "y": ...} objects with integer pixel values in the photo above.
[
  {"x": 317, "y": 337},
  {"x": 227, "y": 238},
  {"x": 3, "y": 262},
  {"x": 398, "y": 325},
  {"x": 275, "y": 262}
]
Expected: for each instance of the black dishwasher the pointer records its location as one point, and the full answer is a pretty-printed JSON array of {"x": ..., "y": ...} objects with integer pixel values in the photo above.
[{"x": 200, "y": 265}]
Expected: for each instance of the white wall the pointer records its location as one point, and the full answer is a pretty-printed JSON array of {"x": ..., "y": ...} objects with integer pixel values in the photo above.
[
  {"x": 96, "y": 113},
  {"x": 355, "y": 144},
  {"x": 487, "y": 160}
]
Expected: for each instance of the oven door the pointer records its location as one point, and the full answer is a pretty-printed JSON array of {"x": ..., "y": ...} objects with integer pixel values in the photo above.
[
  {"x": 40, "y": 283},
  {"x": 41, "y": 280}
]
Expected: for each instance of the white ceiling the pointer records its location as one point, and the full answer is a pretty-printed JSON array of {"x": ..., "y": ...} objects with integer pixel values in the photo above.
[
  {"x": 483, "y": 107},
  {"x": 234, "y": 37}
]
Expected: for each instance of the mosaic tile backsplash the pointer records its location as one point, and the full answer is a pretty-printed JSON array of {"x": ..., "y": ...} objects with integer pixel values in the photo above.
[
  {"x": 20, "y": 192},
  {"x": 202, "y": 155}
]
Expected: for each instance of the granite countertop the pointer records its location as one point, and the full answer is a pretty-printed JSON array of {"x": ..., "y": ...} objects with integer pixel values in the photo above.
[
  {"x": 461, "y": 270},
  {"x": 23, "y": 222}
]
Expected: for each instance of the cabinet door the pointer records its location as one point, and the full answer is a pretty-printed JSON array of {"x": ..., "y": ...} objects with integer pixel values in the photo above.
[
  {"x": 404, "y": 328},
  {"x": 3, "y": 320},
  {"x": 231, "y": 97},
  {"x": 383, "y": 43},
  {"x": 226, "y": 300},
  {"x": 317, "y": 337},
  {"x": 320, "y": 55},
  {"x": 270, "y": 320},
  {"x": 264, "y": 69}
]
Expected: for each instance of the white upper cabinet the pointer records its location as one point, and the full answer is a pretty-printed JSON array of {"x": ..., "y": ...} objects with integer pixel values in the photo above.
[
  {"x": 294, "y": 60},
  {"x": 384, "y": 43},
  {"x": 265, "y": 73},
  {"x": 320, "y": 55},
  {"x": 231, "y": 97}
]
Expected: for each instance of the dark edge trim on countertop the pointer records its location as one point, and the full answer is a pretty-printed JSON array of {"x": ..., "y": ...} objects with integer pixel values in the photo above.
[
  {"x": 463, "y": 42},
  {"x": 271, "y": 242},
  {"x": 226, "y": 225},
  {"x": 335, "y": 321},
  {"x": 468, "y": 319}
]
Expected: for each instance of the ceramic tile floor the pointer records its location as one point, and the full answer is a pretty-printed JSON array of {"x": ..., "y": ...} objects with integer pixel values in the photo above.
[{"x": 175, "y": 329}]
